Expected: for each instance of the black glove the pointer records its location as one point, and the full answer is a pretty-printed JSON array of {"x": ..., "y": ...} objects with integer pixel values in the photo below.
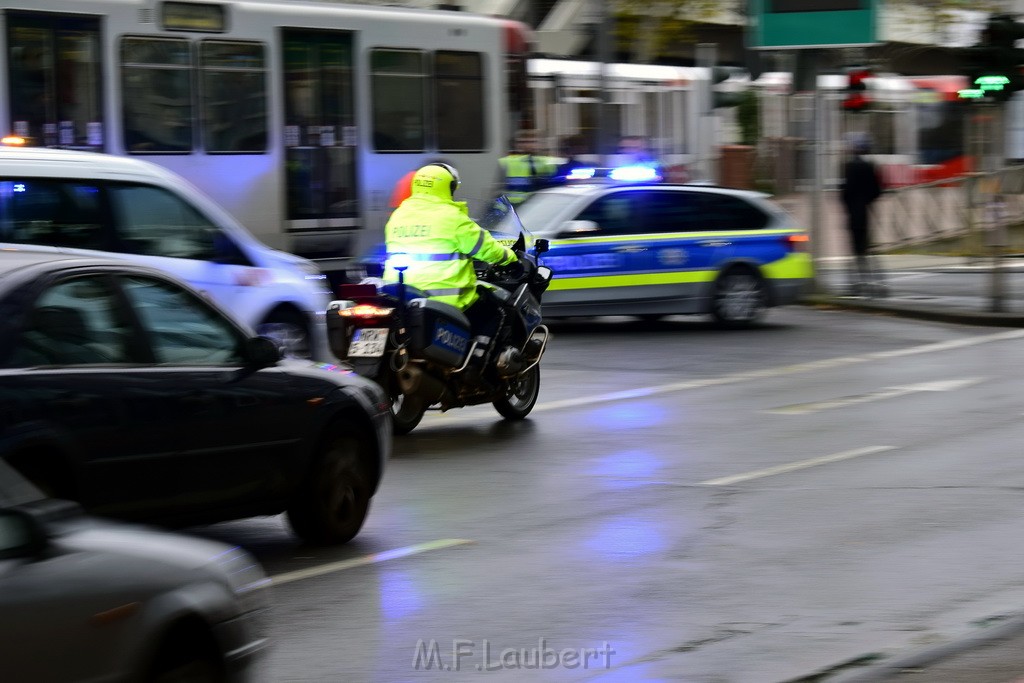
[{"x": 514, "y": 270}]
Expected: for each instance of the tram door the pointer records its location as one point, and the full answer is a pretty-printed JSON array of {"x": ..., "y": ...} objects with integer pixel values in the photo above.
[
  {"x": 320, "y": 132},
  {"x": 55, "y": 85}
]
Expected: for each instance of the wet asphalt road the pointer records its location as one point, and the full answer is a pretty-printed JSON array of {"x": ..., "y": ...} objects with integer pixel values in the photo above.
[{"x": 685, "y": 504}]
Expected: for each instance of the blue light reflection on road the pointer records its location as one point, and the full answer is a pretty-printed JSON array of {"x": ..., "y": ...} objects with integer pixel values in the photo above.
[
  {"x": 399, "y": 594},
  {"x": 627, "y": 537}
]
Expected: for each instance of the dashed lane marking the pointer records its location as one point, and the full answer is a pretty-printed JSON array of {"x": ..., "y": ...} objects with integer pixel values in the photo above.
[
  {"x": 794, "y": 466},
  {"x": 375, "y": 558}
]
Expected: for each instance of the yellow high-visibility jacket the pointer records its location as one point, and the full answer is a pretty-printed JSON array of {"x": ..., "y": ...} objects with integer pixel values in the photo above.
[
  {"x": 440, "y": 241},
  {"x": 525, "y": 173}
]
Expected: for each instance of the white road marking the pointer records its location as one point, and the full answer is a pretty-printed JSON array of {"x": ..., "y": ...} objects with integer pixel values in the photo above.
[
  {"x": 896, "y": 277},
  {"x": 332, "y": 567},
  {"x": 889, "y": 392},
  {"x": 794, "y": 466},
  {"x": 737, "y": 377}
]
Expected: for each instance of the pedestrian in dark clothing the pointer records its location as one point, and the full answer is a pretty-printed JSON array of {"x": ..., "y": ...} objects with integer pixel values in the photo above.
[{"x": 861, "y": 187}]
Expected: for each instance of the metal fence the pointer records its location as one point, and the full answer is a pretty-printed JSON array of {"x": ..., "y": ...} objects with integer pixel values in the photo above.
[{"x": 975, "y": 212}]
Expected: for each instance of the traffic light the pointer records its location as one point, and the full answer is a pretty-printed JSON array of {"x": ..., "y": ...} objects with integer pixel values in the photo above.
[
  {"x": 857, "y": 98},
  {"x": 992, "y": 65},
  {"x": 722, "y": 97}
]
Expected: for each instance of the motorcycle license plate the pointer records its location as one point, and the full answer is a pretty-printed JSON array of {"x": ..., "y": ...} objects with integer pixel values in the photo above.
[{"x": 368, "y": 342}]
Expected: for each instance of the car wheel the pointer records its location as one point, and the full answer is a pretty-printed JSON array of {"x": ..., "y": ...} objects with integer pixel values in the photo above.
[
  {"x": 739, "y": 298},
  {"x": 521, "y": 396},
  {"x": 195, "y": 671},
  {"x": 332, "y": 504},
  {"x": 186, "y": 660},
  {"x": 290, "y": 331},
  {"x": 406, "y": 413}
]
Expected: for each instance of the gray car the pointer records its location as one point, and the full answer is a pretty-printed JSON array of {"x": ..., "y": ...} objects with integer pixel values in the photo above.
[{"x": 87, "y": 600}]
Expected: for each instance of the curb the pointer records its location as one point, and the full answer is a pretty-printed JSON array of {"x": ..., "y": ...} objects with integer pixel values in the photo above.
[
  {"x": 921, "y": 658},
  {"x": 947, "y": 315}
]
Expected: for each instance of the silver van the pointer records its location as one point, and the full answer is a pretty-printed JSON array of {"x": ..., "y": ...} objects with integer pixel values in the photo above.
[{"x": 84, "y": 202}]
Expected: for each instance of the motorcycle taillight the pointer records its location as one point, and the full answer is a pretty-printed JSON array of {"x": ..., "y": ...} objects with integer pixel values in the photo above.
[{"x": 366, "y": 311}]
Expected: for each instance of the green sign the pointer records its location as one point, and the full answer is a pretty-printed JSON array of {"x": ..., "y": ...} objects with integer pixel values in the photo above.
[{"x": 781, "y": 24}]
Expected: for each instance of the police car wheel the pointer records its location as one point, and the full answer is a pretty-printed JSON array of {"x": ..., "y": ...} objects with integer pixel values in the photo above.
[
  {"x": 739, "y": 298},
  {"x": 521, "y": 396}
]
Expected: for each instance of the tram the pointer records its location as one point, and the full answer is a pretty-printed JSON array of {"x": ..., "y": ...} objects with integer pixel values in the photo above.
[{"x": 298, "y": 117}]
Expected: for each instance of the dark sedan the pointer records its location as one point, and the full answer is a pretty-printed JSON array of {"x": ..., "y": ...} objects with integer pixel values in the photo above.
[{"x": 124, "y": 389}]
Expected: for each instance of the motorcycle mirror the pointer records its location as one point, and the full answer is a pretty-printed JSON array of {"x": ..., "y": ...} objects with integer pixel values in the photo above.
[
  {"x": 544, "y": 273},
  {"x": 541, "y": 245}
]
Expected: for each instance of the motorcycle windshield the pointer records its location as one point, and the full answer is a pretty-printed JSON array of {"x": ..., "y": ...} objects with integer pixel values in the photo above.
[{"x": 502, "y": 221}]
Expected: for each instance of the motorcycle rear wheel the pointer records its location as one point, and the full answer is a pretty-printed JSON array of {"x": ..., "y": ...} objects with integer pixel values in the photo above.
[
  {"x": 521, "y": 396},
  {"x": 406, "y": 413}
]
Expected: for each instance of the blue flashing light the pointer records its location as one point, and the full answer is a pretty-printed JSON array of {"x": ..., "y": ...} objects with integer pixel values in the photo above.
[
  {"x": 635, "y": 174},
  {"x": 581, "y": 174},
  {"x": 19, "y": 187}
]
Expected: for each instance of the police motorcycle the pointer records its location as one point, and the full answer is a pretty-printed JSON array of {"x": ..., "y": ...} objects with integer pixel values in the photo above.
[{"x": 422, "y": 352}]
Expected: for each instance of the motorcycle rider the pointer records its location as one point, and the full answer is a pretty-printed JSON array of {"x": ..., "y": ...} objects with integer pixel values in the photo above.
[{"x": 439, "y": 242}]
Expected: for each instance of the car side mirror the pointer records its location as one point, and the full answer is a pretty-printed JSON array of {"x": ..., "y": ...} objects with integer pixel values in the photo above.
[
  {"x": 541, "y": 245},
  {"x": 578, "y": 229},
  {"x": 21, "y": 535},
  {"x": 261, "y": 352}
]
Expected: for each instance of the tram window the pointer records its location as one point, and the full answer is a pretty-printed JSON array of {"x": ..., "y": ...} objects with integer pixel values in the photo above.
[
  {"x": 233, "y": 96},
  {"x": 398, "y": 90},
  {"x": 155, "y": 222},
  {"x": 459, "y": 101},
  {"x": 52, "y": 213},
  {"x": 55, "y": 85},
  {"x": 156, "y": 95}
]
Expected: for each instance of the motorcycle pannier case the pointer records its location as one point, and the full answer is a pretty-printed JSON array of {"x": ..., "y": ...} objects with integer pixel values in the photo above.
[{"x": 438, "y": 332}]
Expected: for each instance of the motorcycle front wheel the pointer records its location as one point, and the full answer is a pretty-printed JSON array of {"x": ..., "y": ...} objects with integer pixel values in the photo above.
[{"x": 521, "y": 395}]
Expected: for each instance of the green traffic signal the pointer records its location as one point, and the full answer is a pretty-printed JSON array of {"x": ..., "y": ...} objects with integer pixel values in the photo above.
[
  {"x": 992, "y": 65},
  {"x": 991, "y": 82}
]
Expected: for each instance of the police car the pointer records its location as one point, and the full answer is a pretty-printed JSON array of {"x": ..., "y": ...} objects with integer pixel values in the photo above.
[{"x": 620, "y": 245}]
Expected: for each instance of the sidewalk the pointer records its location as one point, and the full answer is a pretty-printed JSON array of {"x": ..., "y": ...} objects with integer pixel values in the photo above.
[{"x": 967, "y": 310}]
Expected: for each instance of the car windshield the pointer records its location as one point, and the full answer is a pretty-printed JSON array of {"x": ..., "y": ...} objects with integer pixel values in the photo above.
[{"x": 541, "y": 210}]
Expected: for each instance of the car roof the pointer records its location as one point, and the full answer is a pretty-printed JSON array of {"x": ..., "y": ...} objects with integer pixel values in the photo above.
[
  {"x": 15, "y": 261},
  {"x": 587, "y": 186},
  {"x": 58, "y": 162}
]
